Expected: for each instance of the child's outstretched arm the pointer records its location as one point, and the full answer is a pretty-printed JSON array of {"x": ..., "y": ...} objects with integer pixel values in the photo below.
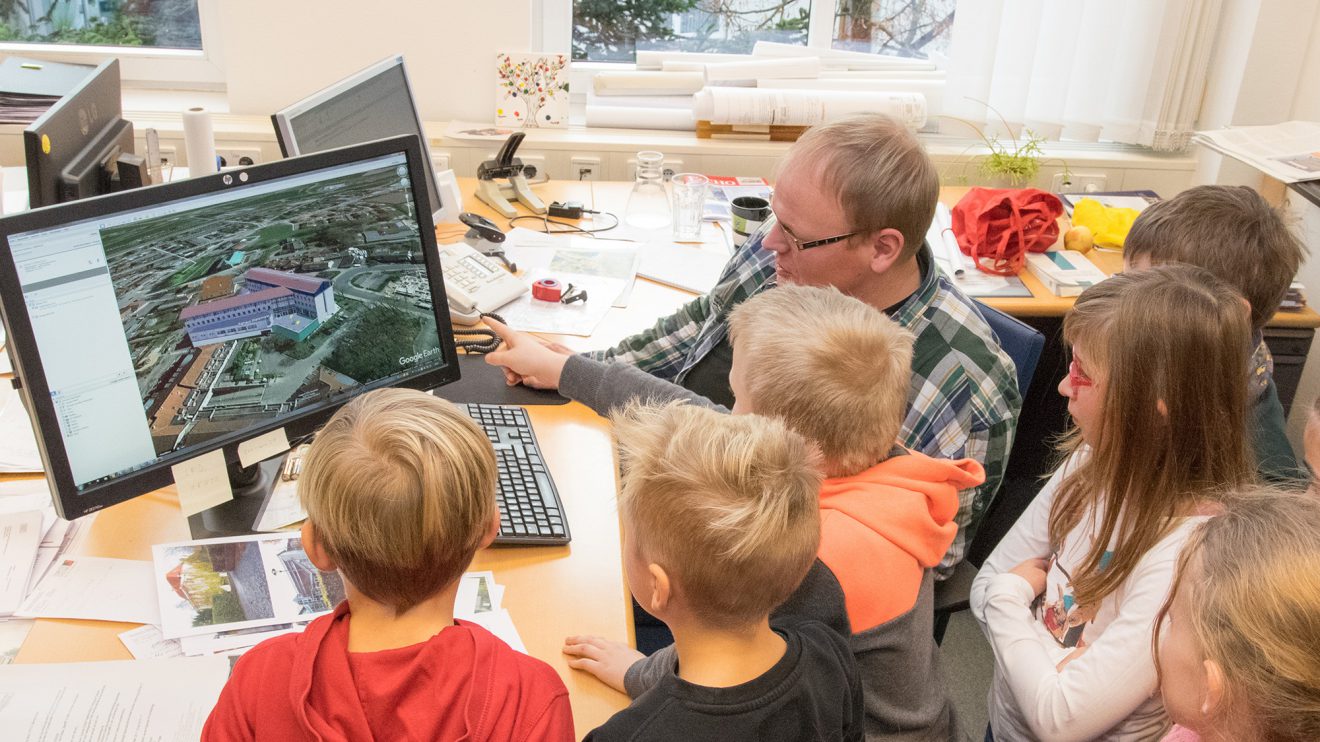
[
  {"x": 608, "y": 661},
  {"x": 525, "y": 358}
]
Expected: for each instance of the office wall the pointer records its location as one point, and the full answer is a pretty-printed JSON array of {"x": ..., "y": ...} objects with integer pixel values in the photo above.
[{"x": 292, "y": 48}]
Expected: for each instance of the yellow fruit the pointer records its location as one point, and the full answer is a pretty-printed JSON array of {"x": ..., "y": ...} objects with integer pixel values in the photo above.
[{"x": 1079, "y": 239}]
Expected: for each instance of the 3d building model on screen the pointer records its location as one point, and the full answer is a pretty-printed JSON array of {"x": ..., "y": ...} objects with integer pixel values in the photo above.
[
  {"x": 289, "y": 305},
  {"x": 240, "y": 312}
]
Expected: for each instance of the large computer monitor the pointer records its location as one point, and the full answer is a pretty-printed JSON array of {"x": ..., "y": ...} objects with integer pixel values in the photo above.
[
  {"x": 74, "y": 149},
  {"x": 159, "y": 324},
  {"x": 373, "y": 103}
]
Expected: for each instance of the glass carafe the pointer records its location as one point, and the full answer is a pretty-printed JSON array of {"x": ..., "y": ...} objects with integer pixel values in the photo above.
[{"x": 648, "y": 204}]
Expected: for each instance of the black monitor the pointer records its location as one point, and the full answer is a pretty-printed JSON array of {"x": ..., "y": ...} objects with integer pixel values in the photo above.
[
  {"x": 75, "y": 149},
  {"x": 373, "y": 103},
  {"x": 155, "y": 325}
]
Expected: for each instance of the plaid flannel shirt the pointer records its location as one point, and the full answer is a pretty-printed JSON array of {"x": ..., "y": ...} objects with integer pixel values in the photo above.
[{"x": 964, "y": 399}]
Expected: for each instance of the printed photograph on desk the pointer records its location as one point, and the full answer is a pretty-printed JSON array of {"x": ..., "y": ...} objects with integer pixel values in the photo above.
[
  {"x": 531, "y": 90},
  {"x": 225, "y": 584}
]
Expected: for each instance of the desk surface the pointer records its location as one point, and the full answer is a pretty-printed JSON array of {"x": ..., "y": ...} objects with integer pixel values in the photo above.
[
  {"x": 613, "y": 195},
  {"x": 552, "y": 591}
]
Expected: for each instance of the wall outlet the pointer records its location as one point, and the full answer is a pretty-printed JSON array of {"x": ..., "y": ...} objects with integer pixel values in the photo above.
[
  {"x": 1079, "y": 183},
  {"x": 238, "y": 156},
  {"x": 670, "y": 167},
  {"x": 584, "y": 168}
]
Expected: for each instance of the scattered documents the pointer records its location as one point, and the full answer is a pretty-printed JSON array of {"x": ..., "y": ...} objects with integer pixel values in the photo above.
[
  {"x": 242, "y": 582},
  {"x": 604, "y": 269},
  {"x": 12, "y": 633},
  {"x": 94, "y": 588},
  {"x": 202, "y": 482},
  {"x": 20, "y": 534},
  {"x": 1289, "y": 151},
  {"x": 18, "y": 444},
  {"x": 59, "y": 536},
  {"x": 159, "y": 699},
  {"x": 235, "y": 641},
  {"x": 479, "y": 600},
  {"x": 146, "y": 643}
]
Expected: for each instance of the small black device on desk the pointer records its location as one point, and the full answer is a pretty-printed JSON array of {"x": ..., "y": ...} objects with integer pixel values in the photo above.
[{"x": 531, "y": 513}]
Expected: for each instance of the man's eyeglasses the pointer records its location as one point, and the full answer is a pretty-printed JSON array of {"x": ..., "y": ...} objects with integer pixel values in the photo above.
[{"x": 800, "y": 245}]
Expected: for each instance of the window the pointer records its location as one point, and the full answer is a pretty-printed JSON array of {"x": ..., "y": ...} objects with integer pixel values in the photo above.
[
  {"x": 608, "y": 31},
  {"x": 156, "y": 41},
  {"x": 171, "y": 24}
]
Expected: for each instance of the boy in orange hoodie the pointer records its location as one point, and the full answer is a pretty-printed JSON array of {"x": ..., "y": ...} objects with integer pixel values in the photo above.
[
  {"x": 836, "y": 371},
  {"x": 399, "y": 488}
]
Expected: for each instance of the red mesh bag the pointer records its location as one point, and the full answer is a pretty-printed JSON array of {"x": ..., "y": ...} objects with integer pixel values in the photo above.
[{"x": 1000, "y": 225}]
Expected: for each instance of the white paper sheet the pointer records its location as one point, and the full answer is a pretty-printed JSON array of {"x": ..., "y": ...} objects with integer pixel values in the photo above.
[
  {"x": 18, "y": 444},
  {"x": 12, "y": 633},
  {"x": 146, "y": 642},
  {"x": 162, "y": 699},
  {"x": 95, "y": 588},
  {"x": 239, "y": 641},
  {"x": 20, "y": 534}
]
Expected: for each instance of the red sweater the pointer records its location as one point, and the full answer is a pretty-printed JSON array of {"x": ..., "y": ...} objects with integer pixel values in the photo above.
[{"x": 462, "y": 684}]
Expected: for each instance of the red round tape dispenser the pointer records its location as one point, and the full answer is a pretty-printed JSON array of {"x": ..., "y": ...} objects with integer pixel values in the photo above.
[{"x": 547, "y": 289}]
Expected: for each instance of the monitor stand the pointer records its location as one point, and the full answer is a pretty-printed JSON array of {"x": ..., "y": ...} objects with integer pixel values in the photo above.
[{"x": 251, "y": 485}]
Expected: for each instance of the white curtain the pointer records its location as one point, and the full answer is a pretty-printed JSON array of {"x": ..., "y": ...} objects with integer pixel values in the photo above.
[{"x": 1129, "y": 71}]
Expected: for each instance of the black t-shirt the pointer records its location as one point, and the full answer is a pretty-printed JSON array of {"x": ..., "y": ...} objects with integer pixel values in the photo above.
[
  {"x": 710, "y": 377},
  {"x": 812, "y": 693}
]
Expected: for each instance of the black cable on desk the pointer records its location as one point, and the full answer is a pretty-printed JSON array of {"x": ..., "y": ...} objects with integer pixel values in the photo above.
[{"x": 566, "y": 227}]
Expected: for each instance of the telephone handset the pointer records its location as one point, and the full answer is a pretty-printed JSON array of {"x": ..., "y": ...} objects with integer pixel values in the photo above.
[{"x": 475, "y": 283}]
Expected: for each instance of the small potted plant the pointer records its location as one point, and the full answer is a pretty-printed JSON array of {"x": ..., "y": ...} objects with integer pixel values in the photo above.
[{"x": 1007, "y": 165}]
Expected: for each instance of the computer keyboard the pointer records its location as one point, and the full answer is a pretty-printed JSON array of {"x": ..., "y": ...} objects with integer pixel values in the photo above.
[{"x": 531, "y": 513}]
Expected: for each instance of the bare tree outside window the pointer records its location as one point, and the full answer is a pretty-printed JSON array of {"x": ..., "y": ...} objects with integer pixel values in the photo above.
[
  {"x": 157, "y": 23},
  {"x": 609, "y": 31},
  {"x": 902, "y": 28}
]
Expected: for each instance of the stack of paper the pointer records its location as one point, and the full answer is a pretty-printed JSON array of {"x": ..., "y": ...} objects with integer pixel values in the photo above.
[
  {"x": 226, "y": 595},
  {"x": 1064, "y": 272},
  {"x": 24, "y": 562},
  {"x": 164, "y": 699},
  {"x": 18, "y": 444},
  {"x": 479, "y": 600},
  {"x": 1289, "y": 151}
]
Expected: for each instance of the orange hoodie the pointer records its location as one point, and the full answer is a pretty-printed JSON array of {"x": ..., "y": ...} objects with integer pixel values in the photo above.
[{"x": 882, "y": 528}]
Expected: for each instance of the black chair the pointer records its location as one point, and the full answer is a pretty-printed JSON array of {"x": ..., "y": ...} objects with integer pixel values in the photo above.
[{"x": 1023, "y": 343}]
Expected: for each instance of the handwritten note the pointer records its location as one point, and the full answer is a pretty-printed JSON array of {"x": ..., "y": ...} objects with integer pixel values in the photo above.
[
  {"x": 262, "y": 447},
  {"x": 203, "y": 482}
]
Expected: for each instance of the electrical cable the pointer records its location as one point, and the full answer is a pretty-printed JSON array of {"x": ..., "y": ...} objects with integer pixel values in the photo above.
[
  {"x": 489, "y": 342},
  {"x": 566, "y": 227}
]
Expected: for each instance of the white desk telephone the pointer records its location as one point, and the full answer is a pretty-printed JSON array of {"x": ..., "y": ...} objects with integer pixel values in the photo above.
[{"x": 475, "y": 283}]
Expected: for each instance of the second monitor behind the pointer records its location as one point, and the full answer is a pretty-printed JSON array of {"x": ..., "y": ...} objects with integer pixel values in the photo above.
[{"x": 374, "y": 103}]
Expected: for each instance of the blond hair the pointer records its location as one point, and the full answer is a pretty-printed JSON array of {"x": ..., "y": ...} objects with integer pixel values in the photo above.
[
  {"x": 727, "y": 504},
  {"x": 1171, "y": 344},
  {"x": 400, "y": 489},
  {"x": 1256, "y": 609},
  {"x": 1230, "y": 231},
  {"x": 834, "y": 368},
  {"x": 882, "y": 176}
]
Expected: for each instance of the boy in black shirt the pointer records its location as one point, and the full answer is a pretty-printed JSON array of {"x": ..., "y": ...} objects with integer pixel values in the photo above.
[{"x": 720, "y": 525}]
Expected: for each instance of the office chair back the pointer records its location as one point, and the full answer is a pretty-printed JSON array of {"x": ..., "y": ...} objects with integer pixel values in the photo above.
[{"x": 1023, "y": 344}]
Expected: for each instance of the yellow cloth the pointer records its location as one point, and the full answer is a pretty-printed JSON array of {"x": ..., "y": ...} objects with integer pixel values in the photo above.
[{"x": 1110, "y": 225}]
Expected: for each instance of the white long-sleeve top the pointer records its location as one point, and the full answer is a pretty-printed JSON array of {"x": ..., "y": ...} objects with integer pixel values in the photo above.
[{"x": 1107, "y": 693}]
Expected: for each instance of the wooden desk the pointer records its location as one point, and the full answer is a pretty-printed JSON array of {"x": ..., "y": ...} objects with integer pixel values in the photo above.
[
  {"x": 612, "y": 196},
  {"x": 552, "y": 591}
]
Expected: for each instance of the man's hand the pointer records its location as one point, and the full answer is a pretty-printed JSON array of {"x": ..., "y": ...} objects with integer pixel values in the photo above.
[
  {"x": 1033, "y": 571},
  {"x": 526, "y": 358},
  {"x": 608, "y": 661}
]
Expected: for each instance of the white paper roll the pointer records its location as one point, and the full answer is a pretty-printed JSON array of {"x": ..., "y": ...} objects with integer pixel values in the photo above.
[
  {"x": 641, "y": 101},
  {"x": 768, "y": 69},
  {"x": 933, "y": 90},
  {"x": 803, "y": 107},
  {"x": 648, "y": 83},
  {"x": 198, "y": 142},
  {"x": 620, "y": 117}
]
